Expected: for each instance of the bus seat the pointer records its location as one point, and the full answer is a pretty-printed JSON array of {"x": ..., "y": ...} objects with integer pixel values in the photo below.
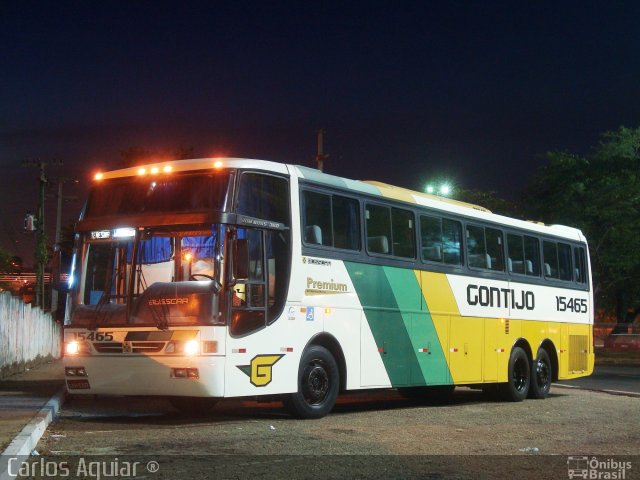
[
  {"x": 516, "y": 266},
  {"x": 313, "y": 234},
  {"x": 379, "y": 244},
  {"x": 488, "y": 260},
  {"x": 547, "y": 270},
  {"x": 528, "y": 265},
  {"x": 432, "y": 253}
]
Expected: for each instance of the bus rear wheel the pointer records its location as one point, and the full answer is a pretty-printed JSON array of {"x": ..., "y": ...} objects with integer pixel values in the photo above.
[
  {"x": 541, "y": 374},
  {"x": 318, "y": 384},
  {"x": 194, "y": 406},
  {"x": 517, "y": 388}
]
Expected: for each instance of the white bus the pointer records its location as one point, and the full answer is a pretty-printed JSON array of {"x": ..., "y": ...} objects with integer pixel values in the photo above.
[{"x": 213, "y": 278}]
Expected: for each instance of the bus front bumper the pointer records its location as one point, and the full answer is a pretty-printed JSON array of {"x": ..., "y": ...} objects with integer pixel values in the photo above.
[{"x": 200, "y": 376}]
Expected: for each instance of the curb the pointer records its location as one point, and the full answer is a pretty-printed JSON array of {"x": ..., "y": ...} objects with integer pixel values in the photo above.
[
  {"x": 610, "y": 392},
  {"x": 25, "y": 442}
]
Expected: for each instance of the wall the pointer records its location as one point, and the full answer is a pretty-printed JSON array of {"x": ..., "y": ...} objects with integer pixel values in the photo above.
[{"x": 27, "y": 335}]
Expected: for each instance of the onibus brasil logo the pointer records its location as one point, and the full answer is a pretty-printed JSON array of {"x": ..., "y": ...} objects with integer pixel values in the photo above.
[
  {"x": 260, "y": 368},
  {"x": 594, "y": 468}
]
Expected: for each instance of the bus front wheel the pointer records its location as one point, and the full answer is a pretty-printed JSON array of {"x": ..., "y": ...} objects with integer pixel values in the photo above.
[
  {"x": 517, "y": 388},
  {"x": 318, "y": 384}
]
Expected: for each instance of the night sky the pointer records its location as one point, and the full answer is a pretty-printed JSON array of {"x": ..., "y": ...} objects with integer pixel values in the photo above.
[{"x": 406, "y": 91}]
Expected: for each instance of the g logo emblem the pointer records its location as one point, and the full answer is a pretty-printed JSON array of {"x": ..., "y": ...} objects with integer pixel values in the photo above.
[{"x": 260, "y": 369}]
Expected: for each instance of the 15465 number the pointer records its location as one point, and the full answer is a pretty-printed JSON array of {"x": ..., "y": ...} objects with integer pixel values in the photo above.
[
  {"x": 576, "y": 305},
  {"x": 97, "y": 336}
]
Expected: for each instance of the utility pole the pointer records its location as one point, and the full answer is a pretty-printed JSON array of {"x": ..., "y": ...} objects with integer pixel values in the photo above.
[
  {"x": 55, "y": 270},
  {"x": 61, "y": 181},
  {"x": 321, "y": 157},
  {"x": 41, "y": 241},
  {"x": 41, "y": 256}
]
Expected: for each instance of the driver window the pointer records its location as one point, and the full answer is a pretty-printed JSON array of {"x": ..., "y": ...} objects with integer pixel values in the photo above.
[
  {"x": 248, "y": 300},
  {"x": 197, "y": 257}
]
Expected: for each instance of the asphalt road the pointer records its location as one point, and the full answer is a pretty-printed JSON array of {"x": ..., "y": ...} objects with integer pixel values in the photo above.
[
  {"x": 613, "y": 378},
  {"x": 369, "y": 435}
]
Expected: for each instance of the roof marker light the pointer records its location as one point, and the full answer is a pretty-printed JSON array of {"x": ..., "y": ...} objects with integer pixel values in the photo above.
[
  {"x": 142, "y": 171},
  {"x": 167, "y": 168},
  {"x": 217, "y": 164},
  {"x": 154, "y": 170},
  {"x": 98, "y": 176}
]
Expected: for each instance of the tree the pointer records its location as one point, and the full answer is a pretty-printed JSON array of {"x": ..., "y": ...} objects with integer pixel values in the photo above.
[
  {"x": 600, "y": 194},
  {"x": 8, "y": 264},
  {"x": 489, "y": 200}
]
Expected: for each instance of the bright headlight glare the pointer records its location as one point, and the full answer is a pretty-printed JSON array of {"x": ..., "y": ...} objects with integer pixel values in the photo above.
[
  {"x": 72, "y": 348},
  {"x": 192, "y": 347}
]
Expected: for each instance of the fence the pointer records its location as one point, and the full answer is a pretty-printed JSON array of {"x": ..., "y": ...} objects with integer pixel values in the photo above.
[{"x": 27, "y": 335}]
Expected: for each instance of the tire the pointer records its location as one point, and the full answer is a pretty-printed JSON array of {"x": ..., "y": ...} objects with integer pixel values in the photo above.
[
  {"x": 193, "y": 406},
  {"x": 318, "y": 384},
  {"x": 541, "y": 375},
  {"x": 517, "y": 388}
]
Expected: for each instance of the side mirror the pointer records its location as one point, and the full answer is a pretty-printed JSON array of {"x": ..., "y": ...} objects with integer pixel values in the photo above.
[{"x": 241, "y": 259}]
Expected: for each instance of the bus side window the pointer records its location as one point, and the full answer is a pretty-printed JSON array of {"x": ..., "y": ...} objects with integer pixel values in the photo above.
[
  {"x": 402, "y": 223},
  {"x": 431, "y": 232},
  {"x": 495, "y": 250},
  {"x": 441, "y": 240},
  {"x": 317, "y": 218},
  {"x": 451, "y": 242},
  {"x": 531, "y": 256},
  {"x": 264, "y": 196},
  {"x": 485, "y": 249},
  {"x": 580, "y": 261},
  {"x": 564, "y": 262},
  {"x": 346, "y": 222},
  {"x": 378, "y": 229},
  {"x": 550, "y": 254},
  {"x": 515, "y": 260},
  {"x": 476, "y": 247}
]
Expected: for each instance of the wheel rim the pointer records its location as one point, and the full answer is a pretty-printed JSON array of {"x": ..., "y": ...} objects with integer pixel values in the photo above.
[
  {"x": 316, "y": 384},
  {"x": 520, "y": 375},
  {"x": 542, "y": 374}
]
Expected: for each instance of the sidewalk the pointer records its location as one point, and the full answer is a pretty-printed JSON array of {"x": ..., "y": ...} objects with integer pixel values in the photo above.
[{"x": 22, "y": 397}]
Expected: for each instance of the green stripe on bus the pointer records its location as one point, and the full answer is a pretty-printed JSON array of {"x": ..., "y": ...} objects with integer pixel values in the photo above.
[
  {"x": 391, "y": 299},
  {"x": 430, "y": 360},
  {"x": 388, "y": 325}
]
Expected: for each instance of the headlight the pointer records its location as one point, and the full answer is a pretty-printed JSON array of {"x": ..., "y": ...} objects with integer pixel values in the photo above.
[
  {"x": 192, "y": 347},
  {"x": 76, "y": 347},
  {"x": 72, "y": 348}
]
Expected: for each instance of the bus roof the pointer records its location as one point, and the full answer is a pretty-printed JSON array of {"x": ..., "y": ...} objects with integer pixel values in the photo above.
[{"x": 374, "y": 188}]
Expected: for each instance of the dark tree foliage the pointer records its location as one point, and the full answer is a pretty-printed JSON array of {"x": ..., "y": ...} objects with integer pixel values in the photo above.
[
  {"x": 491, "y": 201},
  {"x": 8, "y": 264},
  {"x": 600, "y": 194}
]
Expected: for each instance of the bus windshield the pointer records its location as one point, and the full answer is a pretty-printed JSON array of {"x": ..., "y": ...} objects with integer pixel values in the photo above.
[
  {"x": 147, "y": 195},
  {"x": 152, "y": 276}
]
